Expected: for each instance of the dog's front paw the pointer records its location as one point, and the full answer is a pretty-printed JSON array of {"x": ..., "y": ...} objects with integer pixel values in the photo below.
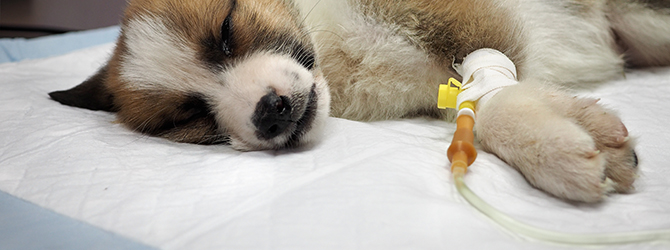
[
  {"x": 569, "y": 147},
  {"x": 611, "y": 138}
]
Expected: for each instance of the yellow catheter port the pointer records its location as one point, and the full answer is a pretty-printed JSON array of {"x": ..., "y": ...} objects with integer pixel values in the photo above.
[{"x": 447, "y": 95}]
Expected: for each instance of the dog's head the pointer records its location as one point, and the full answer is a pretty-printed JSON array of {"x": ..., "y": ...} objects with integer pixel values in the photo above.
[{"x": 212, "y": 71}]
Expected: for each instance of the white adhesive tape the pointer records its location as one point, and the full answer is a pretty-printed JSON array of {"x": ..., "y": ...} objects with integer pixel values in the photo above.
[{"x": 485, "y": 72}]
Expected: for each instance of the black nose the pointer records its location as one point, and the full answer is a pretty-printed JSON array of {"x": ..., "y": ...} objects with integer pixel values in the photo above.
[{"x": 272, "y": 116}]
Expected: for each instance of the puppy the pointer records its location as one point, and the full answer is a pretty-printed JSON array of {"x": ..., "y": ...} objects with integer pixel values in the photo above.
[{"x": 260, "y": 74}]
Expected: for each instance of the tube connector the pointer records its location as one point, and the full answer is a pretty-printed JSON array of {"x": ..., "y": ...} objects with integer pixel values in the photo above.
[{"x": 462, "y": 152}]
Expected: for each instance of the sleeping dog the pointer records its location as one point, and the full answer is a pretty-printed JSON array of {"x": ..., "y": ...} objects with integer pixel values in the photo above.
[{"x": 264, "y": 74}]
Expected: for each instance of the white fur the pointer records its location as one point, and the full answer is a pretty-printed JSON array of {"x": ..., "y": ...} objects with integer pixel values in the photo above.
[
  {"x": 322, "y": 15},
  {"x": 158, "y": 59},
  {"x": 562, "y": 45}
]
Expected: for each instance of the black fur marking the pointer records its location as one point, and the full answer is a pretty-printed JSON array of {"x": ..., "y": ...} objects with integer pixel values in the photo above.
[
  {"x": 304, "y": 56},
  {"x": 212, "y": 55},
  {"x": 201, "y": 130},
  {"x": 657, "y": 4},
  {"x": 281, "y": 42},
  {"x": 217, "y": 48},
  {"x": 91, "y": 94},
  {"x": 195, "y": 107},
  {"x": 302, "y": 53},
  {"x": 193, "y": 122}
]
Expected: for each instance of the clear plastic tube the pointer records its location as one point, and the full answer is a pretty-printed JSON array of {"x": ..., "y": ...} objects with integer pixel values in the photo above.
[{"x": 553, "y": 236}]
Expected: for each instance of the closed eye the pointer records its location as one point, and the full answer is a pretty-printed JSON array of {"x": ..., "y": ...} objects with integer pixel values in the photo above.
[
  {"x": 227, "y": 35},
  {"x": 218, "y": 47}
]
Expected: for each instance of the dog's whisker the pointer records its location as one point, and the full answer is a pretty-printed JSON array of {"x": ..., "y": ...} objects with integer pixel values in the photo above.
[
  {"x": 309, "y": 32},
  {"x": 310, "y": 11}
]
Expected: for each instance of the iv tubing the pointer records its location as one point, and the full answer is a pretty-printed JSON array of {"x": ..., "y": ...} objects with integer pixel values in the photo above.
[{"x": 553, "y": 236}]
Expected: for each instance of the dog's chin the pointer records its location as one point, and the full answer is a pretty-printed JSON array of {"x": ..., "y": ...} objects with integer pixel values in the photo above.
[{"x": 306, "y": 129}]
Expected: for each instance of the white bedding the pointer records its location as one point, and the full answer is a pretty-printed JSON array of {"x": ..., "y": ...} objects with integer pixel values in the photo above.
[{"x": 381, "y": 185}]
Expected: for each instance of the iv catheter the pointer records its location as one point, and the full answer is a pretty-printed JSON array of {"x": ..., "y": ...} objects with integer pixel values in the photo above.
[{"x": 487, "y": 71}]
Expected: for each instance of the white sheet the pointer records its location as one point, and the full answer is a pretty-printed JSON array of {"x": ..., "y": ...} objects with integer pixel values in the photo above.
[{"x": 381, "y": 185}]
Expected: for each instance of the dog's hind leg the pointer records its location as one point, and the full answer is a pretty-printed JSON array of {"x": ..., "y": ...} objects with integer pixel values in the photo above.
[{"x": 642, "y": 29}]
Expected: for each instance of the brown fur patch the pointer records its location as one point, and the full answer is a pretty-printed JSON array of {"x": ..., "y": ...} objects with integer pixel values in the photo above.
[{"x": 449, "y": 29}]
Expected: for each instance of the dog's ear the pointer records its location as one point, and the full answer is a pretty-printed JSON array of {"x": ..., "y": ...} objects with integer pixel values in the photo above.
[{"x": 91, "y": 94}]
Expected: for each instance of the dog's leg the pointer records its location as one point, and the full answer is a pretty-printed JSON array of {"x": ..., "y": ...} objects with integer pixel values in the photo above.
[
  {"x": 567, "y": 146},
  {"x": 642, "y": 29}
]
